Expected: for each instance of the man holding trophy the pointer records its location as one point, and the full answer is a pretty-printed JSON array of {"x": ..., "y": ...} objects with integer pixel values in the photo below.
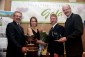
[
  {"x": 15, "y": 36},
  {"x": 56, "y": 32}
]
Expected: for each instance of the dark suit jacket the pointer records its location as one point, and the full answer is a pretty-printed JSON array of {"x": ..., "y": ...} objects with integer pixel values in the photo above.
[
  {"x": 73, "y": 33},
  {"x": 16, "y": 40},
  {"x": 54, "y": 46}
]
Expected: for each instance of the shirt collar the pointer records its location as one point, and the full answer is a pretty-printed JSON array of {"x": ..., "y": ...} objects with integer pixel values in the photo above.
[
  {"x": 54, "y": 25},
  {"x": 69, "y": 15}
]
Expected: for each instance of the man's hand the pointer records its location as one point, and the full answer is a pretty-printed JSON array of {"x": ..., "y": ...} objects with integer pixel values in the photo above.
[
  {"x": 24, "y": 49},
  {"x": 63, "y": 39}
]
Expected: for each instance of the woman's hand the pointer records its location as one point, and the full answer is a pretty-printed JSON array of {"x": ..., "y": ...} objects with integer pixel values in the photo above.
[{"x": 41, "y": 42}]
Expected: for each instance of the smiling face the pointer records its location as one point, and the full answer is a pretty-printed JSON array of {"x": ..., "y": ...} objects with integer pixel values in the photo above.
[
  {"x": 17, "y": 17},
  {"x": 53, "y": 19},
  {"x": 67, "y": 10},
  {"x": 33, "y": 22}
]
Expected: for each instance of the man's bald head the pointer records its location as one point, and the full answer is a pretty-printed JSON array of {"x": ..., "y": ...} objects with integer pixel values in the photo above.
[{"x": 67, "y": 10}]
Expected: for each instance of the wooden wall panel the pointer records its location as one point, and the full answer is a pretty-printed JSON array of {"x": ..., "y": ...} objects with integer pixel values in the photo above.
[
  {"x": 45, "y": 26},
  {"x": 80, "y": 0},
  {"x": 7, "y": 5}
]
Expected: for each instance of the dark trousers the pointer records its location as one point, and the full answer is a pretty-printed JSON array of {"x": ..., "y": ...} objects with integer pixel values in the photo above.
[
  {"x": 32, "y": 54},
  {"x": 51, "y": 54},
  {"x": 74, "y": 56}
]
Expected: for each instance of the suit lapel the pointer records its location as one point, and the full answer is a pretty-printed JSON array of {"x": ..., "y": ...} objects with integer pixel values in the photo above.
[
  {"x": 68, "y": 21},
  {"x": 20, "y": 28},
  {"x": 17, "y": 28},
  {"x": 50, "y": 32},
  {"x": 53, "y": 29}
]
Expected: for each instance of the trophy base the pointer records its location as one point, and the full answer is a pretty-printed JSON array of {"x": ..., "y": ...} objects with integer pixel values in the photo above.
[
  {"x": 32, "y": 47},
  {"x": 30, "y": 44}
]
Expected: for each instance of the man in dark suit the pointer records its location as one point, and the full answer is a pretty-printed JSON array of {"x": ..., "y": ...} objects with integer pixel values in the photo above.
[
  {"x": 15, "y": 36},
  {"x": 73, "y": 33},
  {"x": 56, "y": 32}
]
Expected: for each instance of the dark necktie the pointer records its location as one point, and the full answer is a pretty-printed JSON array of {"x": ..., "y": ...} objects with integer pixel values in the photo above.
[
  {"x": 19, "y": 26},
  {"x": 51, "y": 31},
  {"x": 52, "y": 28}
]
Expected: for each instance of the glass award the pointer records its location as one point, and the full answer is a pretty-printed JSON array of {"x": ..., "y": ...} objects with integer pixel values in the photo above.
[{"x": 56, "y": 35}]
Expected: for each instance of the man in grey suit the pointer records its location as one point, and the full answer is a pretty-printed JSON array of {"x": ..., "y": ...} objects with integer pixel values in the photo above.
[{"x": 73, "y": 33}]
